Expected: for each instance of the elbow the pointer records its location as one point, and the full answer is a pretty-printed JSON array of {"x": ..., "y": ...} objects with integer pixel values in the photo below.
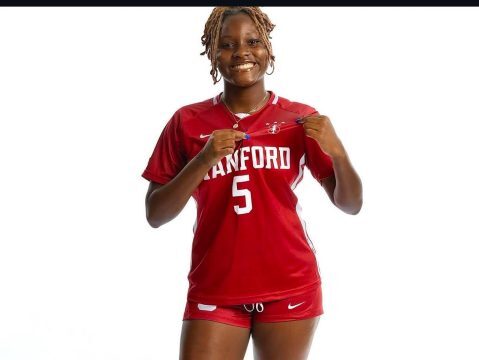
[
  {"x": 154, "y": 215},
  {"x": 153, "y": 224},
  {"x": 159, "y": 212},
  {"x": 349, "y": 202},
  {"x": 351, "y": 208},
  {"x": 152, "y": 220},
  {"x": 356, "y": 210},
  {"x": 155, "y": 221}
]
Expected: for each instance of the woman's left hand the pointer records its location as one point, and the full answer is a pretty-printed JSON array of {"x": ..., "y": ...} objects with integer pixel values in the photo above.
[{"x": 319, "y": 128}]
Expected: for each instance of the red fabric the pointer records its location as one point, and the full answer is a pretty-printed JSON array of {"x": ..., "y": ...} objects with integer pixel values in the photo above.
[
  {"x": 259, "y": 252},
  {"x": 298, "y": 307}
]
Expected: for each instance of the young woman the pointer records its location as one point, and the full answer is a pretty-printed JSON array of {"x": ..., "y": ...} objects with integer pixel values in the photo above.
[{"x": 240, "y": 155}]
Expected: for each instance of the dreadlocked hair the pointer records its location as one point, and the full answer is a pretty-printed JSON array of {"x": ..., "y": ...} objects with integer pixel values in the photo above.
[{"x": 213, "y": 26}]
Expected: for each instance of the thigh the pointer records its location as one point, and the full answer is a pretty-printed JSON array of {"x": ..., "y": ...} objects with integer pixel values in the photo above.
[
  {"x": 211, "y": 340},
  {"x": 285, "y": 328},
  {"x": 283, "y": 340}
]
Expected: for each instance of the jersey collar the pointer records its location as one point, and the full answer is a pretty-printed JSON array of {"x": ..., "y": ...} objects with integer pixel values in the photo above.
[{"x": 273, "y": 99}]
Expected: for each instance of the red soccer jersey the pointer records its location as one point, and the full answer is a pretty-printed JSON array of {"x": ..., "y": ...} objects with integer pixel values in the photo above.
[{"x": 250, "y": 243}]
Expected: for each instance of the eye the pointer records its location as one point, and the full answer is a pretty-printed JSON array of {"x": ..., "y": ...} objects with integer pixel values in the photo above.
[
  {"x": 254, "y": 42},
  {"x": 227, "y": 45}
]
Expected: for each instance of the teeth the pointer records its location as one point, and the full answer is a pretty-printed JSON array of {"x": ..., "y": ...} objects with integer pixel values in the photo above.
[{"x": 244, "y": 66}]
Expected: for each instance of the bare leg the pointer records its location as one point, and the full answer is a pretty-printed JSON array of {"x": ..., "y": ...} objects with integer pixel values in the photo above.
[
  {"x": 211, "y": 340},
  {"x": 284, "y": 340}
]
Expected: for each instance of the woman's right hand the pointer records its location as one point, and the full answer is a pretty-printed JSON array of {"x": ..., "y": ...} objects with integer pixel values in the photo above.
[
  {"x": 220, "y": 143},
  {"x": 165, "y": 201}
]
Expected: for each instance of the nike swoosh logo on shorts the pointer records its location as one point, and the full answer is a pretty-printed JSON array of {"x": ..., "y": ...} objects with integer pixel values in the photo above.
[
  {"x": 207, "y": 307},
  {"x": 203, "y": 136},
  {"x": 293, "y": 306}
]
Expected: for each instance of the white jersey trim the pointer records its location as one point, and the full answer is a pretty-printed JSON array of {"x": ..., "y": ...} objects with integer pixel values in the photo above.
[
  {"x": 303, "y": 223},
  {"x": 298, "y": 207},
  {"x": 300, "y": 172},
  {"x": 275, "y": 100},
  {"x": 195, "y": 225}
]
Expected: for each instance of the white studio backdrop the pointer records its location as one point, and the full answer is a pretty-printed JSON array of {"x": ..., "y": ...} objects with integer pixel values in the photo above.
[{"x": 84, "y": 95}]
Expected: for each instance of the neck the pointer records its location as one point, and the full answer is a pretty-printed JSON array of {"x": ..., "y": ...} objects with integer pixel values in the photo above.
[{"x": 241, "y": 99}]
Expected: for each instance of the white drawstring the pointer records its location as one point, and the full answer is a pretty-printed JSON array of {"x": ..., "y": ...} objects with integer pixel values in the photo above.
[{"x": 257, "y": 307}]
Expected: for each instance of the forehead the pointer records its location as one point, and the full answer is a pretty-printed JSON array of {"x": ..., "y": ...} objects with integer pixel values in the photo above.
[{"x": 238, "y": 24}]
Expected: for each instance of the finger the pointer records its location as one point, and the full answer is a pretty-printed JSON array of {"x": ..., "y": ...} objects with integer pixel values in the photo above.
[
  {"x": 220, "y": 154},
  {"x": 311, "y": 117},
  {"x": 235, "y": 135},
  {"x": 313, "y": 125},
  {"x": 230, "y": 134},
  {"x": 302, "y": 118},
  {"x": 239, "y": 135},
  {"x": 305, "y": 120},
  {"x": 226, "y": 151},
  {"x": 319, "y": 118},
  {"x": 226, "y": 143},
  {"x": 311, "y": 132}
]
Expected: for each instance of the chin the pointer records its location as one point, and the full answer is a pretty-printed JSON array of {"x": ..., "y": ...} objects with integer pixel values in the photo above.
[{"x": 244, "y": 82}]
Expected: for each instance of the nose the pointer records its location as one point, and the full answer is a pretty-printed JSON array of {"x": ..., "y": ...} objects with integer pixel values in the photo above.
[{"x": 241, "y": 50}]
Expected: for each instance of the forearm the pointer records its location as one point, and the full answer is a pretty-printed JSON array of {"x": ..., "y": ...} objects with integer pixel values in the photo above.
[
  {"x": 166, "y": 202},
  {"x": 348, "y": 191}
]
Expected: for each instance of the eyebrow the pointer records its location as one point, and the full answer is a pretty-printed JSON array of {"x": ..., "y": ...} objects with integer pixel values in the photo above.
[{"x": 248, "y": 33}]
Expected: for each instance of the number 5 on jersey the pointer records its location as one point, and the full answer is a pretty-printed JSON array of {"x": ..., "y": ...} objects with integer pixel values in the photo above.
[{"x": 242, "y": 192}]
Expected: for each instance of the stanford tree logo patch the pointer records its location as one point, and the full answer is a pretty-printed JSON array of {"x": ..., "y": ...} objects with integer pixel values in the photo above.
[{"x": 274, "y": 128}]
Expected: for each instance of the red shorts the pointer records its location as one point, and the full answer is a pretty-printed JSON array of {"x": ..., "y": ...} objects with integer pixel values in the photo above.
[{"x": 306, "y": 305}]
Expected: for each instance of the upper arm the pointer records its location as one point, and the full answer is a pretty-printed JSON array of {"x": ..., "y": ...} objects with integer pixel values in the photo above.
[{"x": 328, "y": 184}]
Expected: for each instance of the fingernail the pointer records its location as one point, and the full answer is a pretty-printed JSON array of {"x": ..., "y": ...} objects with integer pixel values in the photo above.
[
  {"x": 298, "y": 120},
  {"x": 247, "y": 136}
]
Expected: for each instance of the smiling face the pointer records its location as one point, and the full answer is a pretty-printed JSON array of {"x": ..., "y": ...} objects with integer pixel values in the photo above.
[{"x": 241, "y": 57}]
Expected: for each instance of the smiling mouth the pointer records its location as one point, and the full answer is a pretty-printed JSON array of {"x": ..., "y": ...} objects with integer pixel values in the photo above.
[{"x": 243, "y": 67}]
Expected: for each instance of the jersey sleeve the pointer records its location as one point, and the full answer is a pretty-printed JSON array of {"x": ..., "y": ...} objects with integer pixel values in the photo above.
[
  {"x": 319, "y": 163},
  {"x": 168, "y": 157}
]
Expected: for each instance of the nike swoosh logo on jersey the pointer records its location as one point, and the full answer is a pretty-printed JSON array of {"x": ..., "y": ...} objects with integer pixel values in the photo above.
[
  {"x": 203, "y": 136},
  {"x": 293, "y": 306}
]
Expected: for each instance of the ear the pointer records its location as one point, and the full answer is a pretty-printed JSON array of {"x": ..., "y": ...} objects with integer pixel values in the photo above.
[
  {"x": 271, "y": 62},
  {"x": 221, "y": 76}
]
